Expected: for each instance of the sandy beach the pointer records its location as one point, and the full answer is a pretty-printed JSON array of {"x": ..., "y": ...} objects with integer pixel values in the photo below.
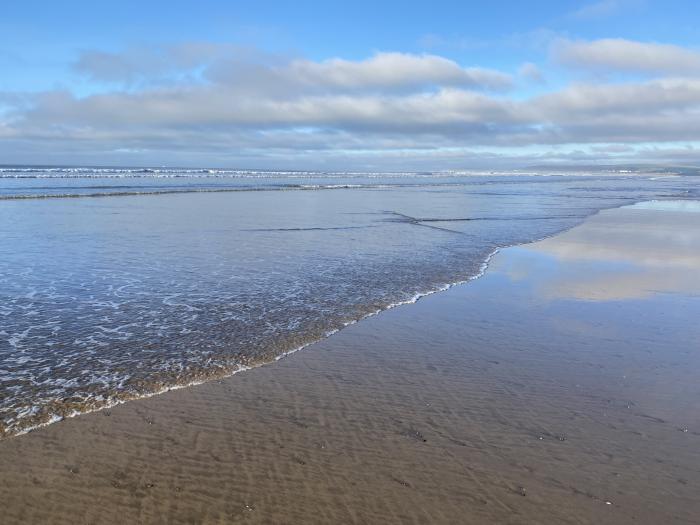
[{"x": 560, "y": 387}]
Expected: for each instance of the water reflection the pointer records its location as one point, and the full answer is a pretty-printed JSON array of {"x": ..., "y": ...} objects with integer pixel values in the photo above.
[{"x": 622, "y": 254}]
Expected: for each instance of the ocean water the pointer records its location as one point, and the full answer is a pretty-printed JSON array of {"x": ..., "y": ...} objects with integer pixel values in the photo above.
[{"x": 120, "y": 283}]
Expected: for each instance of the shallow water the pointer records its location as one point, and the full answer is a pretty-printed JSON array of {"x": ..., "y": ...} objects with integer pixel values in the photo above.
[{"x": 107, "y": 299}]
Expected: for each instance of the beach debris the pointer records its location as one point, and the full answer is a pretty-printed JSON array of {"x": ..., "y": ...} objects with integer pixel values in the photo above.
[
  {"x": 522, "y": 491},
  {"x": 590, "y": 495},
  {"x": 298, "y": 459},
  {"x": 401, "y": 482},
  {"x": 414, "y": 434}
]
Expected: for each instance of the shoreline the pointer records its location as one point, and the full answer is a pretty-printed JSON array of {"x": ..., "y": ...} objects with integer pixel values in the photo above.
[
  {"x": 243, "y": 368},
  {"x": 220, "y": 375}
]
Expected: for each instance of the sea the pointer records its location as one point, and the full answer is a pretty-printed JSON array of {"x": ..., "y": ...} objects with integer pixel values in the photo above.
[{"x": 121, "y": 283}]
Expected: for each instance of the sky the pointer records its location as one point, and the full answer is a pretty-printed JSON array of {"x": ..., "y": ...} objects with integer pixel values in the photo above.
[{"x": 350, "y": 85}]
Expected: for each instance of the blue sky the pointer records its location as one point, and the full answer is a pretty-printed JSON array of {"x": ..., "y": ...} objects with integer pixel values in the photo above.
[{"x": 362, "y": 85}]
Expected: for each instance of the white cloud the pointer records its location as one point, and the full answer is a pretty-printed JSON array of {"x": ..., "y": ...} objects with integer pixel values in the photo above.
[
  {"x": 531, "y": 72},
  {"x": 658, "y": 110},
  {"x": 233, "y": 65},
  {"x": 395, "y": 69},
  {"x": 150, "y": 63},
  {"x": 614, "y": 100},
  {"x": 259, "y": 106},
  {"x": 617, "y": 54}
]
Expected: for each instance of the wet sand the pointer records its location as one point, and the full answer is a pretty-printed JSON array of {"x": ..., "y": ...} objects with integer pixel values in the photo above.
[{"x": 561, "y": 387}]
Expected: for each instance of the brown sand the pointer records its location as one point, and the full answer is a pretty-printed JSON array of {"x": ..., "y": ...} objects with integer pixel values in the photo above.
[{"x": 545, "y": 392}]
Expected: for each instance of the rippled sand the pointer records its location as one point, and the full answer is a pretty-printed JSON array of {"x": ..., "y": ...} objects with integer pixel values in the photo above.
[{"x": 561, "y": 387}]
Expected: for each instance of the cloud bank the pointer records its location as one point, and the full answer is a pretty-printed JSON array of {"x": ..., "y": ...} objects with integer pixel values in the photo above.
[
  {"x": 197, "y": 101},
  {"x": 620, "y": 55}
]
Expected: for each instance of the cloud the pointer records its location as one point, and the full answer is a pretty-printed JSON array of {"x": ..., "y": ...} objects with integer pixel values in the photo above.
[
  {"x": 531, "y": 72},
  {"x": 618, "y": 100},
  {"x": 233, "y": 65},
  {"x": 135, "y": 63},
  {"x": 447, "y": 111},
  {"x": 396, "y": 69},
  {"x": 620, "y": 55},
  {"x": 229, "y": 102},
  {"x": 658, "y": 110}
]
